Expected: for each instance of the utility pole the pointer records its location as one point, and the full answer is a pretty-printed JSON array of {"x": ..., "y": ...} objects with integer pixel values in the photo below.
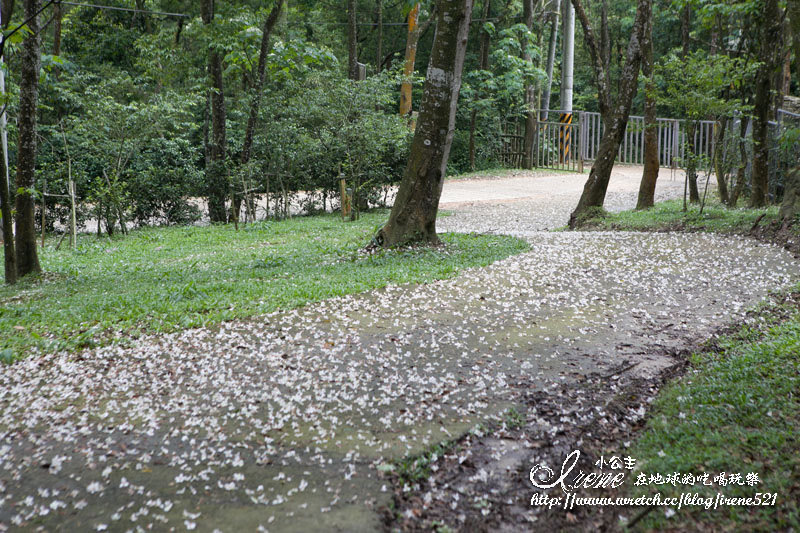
[{"x": 568, "y": 55}]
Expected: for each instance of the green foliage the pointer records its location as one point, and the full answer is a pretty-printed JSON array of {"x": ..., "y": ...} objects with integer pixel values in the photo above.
[
  {"x": 737, "y": 411},
  {"x": 165, "y": 279},
  {"x": 669, "y": 215}
]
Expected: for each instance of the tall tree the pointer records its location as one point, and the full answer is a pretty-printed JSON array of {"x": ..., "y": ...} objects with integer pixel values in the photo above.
[
  {"x": 647, "y": 187},
  {"x": 9, "y": 254},
  {"x": 614, "y": 114},
  {"x": 256, "y": 90},
  {"x": 413, "y": 216},
  {"x": 483, "y": 65},
  {"x": 216, "y": 173},
  {"x": 551, "y": 57},
  {"x": 530, "y": 93},
  {"x": 768, "y": 55},
  {"x": 412, "y": 38},
  {"x": 25, "y": 245}
]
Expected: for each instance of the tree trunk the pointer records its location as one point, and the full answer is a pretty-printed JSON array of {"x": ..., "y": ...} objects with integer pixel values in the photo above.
[
  {"x": 719, "y": 163},
  {"x": 216, "y": 180},
  {"x": 615, "y": 119},
  {"x": 531, "y": 123},
  {"x": 770, "y": 34},
  {"x": 57, "y": 16},
  {"x": 7, "y": 7},
  {"x": 411, "y": 56},
  {"x": 9, "y": 254},
  {"x": 413, "y": 216},
  {"x": 551, "y": 59},
  {"x": 25, "y": 245},
  {"x": 379, "y": 38},
  {"x": 691, "y": 163},
  {"x": 255, "y": 98},
  {"x": 352, "y": 40},
  {"x": 484, "y": 65},
  {"x": 647, "y": 187},
  {"x": 740, "y": 172}
]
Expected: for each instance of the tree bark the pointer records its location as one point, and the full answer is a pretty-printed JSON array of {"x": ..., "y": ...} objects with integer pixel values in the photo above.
[
  {"x": 352, "y": 40},
  {"x": 647, "y": 187},
  {"x": 216, "y": 180},
  {"x": 615, "y": 119},
  {"x": 691, "y": 163},
  {"x": 57, "y": 16},
  {"x": 8, "y": 10},
  {"x": 9, "y": 254},
  {"x": 25, "y": 245},
  {"x": 411, "y": 56},
  {"x": 719, "y": 161},
  {"x": 740, "y": 172},
  {"x": 770, "y": 34},
  {"x": 484, "y": 65},
  {"x": 413, "y": 216}
]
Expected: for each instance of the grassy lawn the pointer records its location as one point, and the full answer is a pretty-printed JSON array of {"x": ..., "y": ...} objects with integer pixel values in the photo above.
[
  {"x": 165, "y": 279},
  {"x": 737, "y": 411},
  {"x": 669, "y": 216},
  {"x": 503, "y": 172}
]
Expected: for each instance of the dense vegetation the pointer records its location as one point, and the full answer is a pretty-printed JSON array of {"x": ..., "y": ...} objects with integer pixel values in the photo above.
[{"x": 126, "y": 107}]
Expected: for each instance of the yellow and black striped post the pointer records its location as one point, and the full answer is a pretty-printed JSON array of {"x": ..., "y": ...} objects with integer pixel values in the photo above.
[{"x": 564, "y": 137}]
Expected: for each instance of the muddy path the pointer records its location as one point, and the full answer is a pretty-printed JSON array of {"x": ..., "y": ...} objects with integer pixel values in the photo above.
[{"x": 288, "y": 422}]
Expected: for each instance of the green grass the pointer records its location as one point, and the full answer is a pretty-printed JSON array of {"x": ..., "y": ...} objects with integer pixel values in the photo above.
[
  {"x": 165, "y": 279},
  {"x": 669, "y": 215},
  {"x": 737, "y": 411},
  {"x": 505, "y": 172}
]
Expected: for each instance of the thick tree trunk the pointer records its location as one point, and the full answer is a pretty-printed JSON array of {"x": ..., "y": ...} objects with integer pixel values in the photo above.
[
  {"x": 413, "y": 216},
  {"x": 647, "y": 187},
  {"x": 531, "y": 123},
  {"x": 615, "y": 119},
  {"x": 216, "y": 174},
  {"x": 484, "y": 65},
  {"x": 25, "y": 245},
  {"x": 770, "y": 34},
  {"x": 411, "y": 55},
  {"x": 352, "y": 40}
]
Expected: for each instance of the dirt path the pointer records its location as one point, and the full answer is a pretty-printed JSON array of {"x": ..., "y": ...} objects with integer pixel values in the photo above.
[{"x": 286, "y": 422}]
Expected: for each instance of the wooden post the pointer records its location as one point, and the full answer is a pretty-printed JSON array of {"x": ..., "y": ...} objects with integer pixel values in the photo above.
[
  {"x": 44, "y": 205},
  {"x": 73, "y": 230},
  {"x": 345, "y": 198}
]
